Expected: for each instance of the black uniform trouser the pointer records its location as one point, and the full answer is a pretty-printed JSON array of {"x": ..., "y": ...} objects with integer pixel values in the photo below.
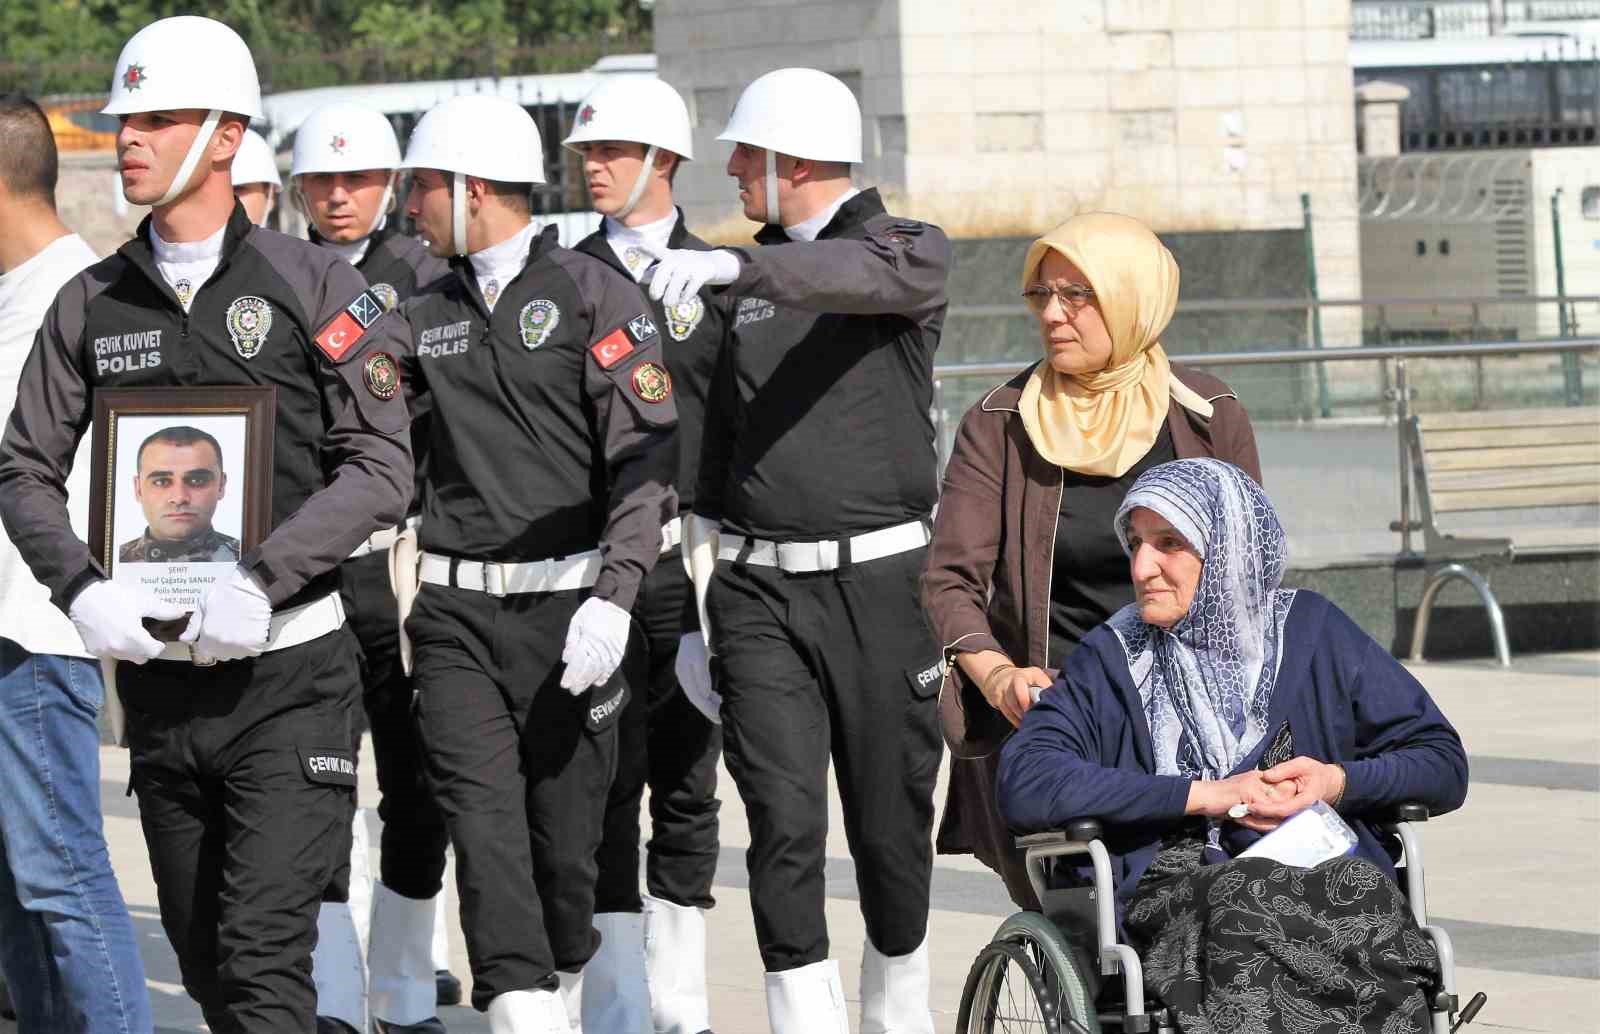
[
  {"x": 246, "y": 789},
  {"x": 666, "y": 743},
  {"x": 818, "y": 665},
  {"x": 413, "y": 841},
  {"x": 521, "y": 770}
]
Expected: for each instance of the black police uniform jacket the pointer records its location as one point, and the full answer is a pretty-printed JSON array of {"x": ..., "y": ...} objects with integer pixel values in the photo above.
[
  {"x": 819, "y": 423},
  {"x": 691, "y": 334},
  {"x": 396, "y": 267},
  {"x": 552, "y": 428},
  {"x": 277, "y": 311}
]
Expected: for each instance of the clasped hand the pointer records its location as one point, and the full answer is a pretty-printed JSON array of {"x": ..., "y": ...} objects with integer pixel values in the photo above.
[{"x": 1273, "y": 794}]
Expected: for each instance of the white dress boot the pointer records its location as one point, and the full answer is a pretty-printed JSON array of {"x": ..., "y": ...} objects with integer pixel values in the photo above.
[
  {"x": 401, "y": 989},
  {"x": 572, "y": 999},
  {"x": 528, "y": 1012},
  {"x": 440, "y": 948},
  {"x": 894, "y": 992},
  {"x": 616, "y": 998},
  {"x": 675, "y": 967},
  {"x": 808, "y": 1000},
  {"x": 338, "y": 967}
]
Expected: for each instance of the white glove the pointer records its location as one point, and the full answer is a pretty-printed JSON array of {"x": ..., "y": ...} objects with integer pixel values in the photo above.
[
  {"x": 693, "y": 668},
  {"x": 596, "y": 640},
  {"x": 679, "y": 274},
  {"x": 233, "y": 619},
  {"x": 108, "y": 618}
]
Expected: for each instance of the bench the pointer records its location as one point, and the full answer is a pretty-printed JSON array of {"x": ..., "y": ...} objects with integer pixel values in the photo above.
[{"x": 1503, "y": 460}]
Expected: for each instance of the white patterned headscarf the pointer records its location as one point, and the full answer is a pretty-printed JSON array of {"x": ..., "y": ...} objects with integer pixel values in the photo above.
[{"x": 1206, "y": 683}]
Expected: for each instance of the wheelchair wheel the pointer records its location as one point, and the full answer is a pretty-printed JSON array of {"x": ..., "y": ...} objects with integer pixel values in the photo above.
[
  {"x": 1005, "y": 995},
  {"x": 1029, "y": 978},
  {"x": 1068, "y": 976}
]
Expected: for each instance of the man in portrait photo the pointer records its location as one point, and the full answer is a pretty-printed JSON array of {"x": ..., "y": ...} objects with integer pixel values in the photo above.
[{"x": 179, "y": 482}]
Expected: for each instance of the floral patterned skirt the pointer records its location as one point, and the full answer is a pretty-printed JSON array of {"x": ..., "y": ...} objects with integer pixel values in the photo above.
[{"x": 1251, "y": 946}]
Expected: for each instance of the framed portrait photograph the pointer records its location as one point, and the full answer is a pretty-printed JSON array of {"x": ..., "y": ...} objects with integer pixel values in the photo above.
[{"x": 181, "y": 486}]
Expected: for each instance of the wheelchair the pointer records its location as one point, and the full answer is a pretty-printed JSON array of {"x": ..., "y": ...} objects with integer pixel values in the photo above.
[{"x": 1041, "y": 972}]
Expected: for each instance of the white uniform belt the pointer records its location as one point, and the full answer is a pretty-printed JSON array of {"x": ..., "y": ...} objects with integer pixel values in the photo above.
[
  {"x": 579, "y": 571},
  {"x": 289, "y": 628},
  {"x": 826, "y": 555},
  {"x": 382, "y": 539},
  {"x": 671, "y": 535}
]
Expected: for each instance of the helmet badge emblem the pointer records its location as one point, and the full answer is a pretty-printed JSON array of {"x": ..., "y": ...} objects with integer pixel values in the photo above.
[
  {"x": 338, "y": 143},
  {"x": 586, "y": 115},
  {"x": 133, "y": 77}
]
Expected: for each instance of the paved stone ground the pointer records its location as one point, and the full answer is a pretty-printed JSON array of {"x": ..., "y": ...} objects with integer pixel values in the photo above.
[{"x": 1513, "y": 875}]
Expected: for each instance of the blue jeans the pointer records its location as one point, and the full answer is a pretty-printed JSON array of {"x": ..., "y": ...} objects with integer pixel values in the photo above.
[{"x": 66, "y": 943}]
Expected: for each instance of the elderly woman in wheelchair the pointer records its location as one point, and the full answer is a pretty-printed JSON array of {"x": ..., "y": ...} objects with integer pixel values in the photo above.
[{"x": 1196, "y": 721}]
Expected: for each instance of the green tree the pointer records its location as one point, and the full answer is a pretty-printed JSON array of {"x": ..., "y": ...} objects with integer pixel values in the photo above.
[{"x": 60, "y": 46}]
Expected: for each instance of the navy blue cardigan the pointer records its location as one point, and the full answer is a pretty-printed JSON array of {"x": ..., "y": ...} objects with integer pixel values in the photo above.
[{"x": 1084, "y": 749}]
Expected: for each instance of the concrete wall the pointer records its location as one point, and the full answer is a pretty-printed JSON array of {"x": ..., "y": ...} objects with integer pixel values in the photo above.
[
  {"x": 1000, "y": 120},
  {"x": 1572, "y": 169},
  {"x": 88, "y": 194}
]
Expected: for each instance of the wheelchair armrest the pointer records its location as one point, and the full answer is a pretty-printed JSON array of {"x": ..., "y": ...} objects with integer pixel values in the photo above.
[
  {"x": 1405, "y": 811},
  {"x": 1077, "y": 831}
]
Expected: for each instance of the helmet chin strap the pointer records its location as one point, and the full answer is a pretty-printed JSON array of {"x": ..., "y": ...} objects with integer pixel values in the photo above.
[
  {"x": 458, "y": 215},
  {"x": 202, "y": 140},
  {"x": 772, "y": 187},
  {"x": 639, "y": 183},
  {"x": 383, "y": 206}
]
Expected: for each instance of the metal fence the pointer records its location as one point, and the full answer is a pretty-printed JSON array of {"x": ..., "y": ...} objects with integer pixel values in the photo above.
[
  {"x": 1390, "y": 20},
  {"x": 1549, "y": 101},
  {"x": 1398, "y": 363}
]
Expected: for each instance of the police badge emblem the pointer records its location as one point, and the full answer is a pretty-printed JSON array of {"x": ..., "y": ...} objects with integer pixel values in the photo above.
[
  {"x": 684, "y": 317},
  {"x": 382, "y": 375},
  {"x": 537, "y": 321},
  {"x": 651, "y": 382},
  {"x": 386, "y": 294},
  {"x": 249, "y": 319},
  {"x": 185, "y": 291}
]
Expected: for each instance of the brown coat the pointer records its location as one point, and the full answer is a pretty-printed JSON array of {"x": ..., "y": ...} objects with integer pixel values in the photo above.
[{"x": 987, "y": 584}]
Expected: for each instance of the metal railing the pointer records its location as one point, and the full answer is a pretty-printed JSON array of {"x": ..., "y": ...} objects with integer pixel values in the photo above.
[
  {"x": 1393, "y": 357},
  {"x": 1435, "y": 19}
]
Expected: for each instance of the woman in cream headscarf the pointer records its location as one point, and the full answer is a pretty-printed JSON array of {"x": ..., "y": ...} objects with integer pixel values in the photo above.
[{"x": 1024, "y": 559}]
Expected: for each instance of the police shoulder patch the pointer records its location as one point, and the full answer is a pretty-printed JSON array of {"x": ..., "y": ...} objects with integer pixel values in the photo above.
[
  {"x": 339, "y": 337},
  {"x": 641, "y": 328},
  {"x": 382, "y": 375},
  {"x": 652, "y": 383}
]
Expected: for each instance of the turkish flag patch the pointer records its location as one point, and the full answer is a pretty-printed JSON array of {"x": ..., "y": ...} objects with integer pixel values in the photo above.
[
  {"x": 611, "y": 349},
  {"x": 340, "y": 336}
]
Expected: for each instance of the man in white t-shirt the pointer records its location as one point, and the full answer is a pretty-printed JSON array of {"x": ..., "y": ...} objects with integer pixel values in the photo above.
[{"x": 61, "y": 911}]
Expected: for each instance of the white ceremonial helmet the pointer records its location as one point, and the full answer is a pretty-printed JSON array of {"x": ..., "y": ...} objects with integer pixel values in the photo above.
[
  {"x": 800, "y": 112},
  {"x": 186, "y": 62},
  {"x": 255, "y": 162},
  {"x": 346, "y": 137},
  {"x": 638, "y": 109},
  {"x": 479, "y": 135}
]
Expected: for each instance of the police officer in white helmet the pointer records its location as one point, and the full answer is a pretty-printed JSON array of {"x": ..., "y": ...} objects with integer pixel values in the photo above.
[
  {"x": 819, "y": 467},
  {"x": 255, "y": 177},
  {"x": 633, "y": 132},
  {"x": 551, "y": 455},
  {"x": 346, "y": 162},
  {"x": 239, "y": 731}
]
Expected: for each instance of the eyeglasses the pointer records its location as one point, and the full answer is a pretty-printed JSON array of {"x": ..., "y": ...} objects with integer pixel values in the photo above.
[{"x": 1073, "y": 297}]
